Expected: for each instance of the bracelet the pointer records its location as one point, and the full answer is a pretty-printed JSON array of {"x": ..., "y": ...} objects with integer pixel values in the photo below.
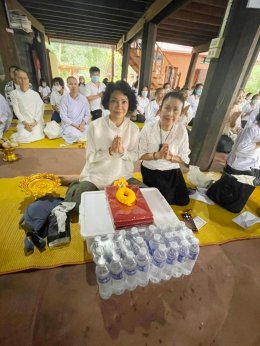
[
  {"x": 154, "y": 158},
  {"x": 109, "y": 151}
]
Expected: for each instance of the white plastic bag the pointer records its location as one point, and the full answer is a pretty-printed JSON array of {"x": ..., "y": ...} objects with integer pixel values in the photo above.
[
  {"x": 197, "y": 178},
  {"x": 52, "y": 130}
]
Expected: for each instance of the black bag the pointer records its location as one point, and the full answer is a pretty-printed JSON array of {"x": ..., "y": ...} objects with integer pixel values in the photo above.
[
  {"x": 230, "y": 193},
  {"x": 140, "y": 118},
  {"x": 225, "y": 144}
]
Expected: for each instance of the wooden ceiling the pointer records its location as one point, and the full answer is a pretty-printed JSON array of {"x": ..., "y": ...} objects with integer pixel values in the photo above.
[{"x": 187, "y": 22}]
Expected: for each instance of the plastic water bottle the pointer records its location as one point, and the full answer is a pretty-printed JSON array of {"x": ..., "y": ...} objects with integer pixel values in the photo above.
[
  {"x": 137, "y": 244},
  {"x": 158, "y": 262},
  {"x": 117, "y": 275},
  {"x": 168, "y": 237},
  {"x": 103, "y": 279},
  {"x": 97, "y": 253},
  {"x": 154, "y": 242},
  {"x": 130, "y": 269},
  {"x": 126, "y": 247},
  {"x": 183, "y": 256},
  {"x": 172, "y": 256},
  {"x": 143, "y": 265},
  {"x": 194, "y": 250}
]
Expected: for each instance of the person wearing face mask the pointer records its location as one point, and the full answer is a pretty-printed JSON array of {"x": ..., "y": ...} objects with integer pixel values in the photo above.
[
  {"x": 142, "y": 103},
  {"x": 186, "y": 114},
  {"x": 58, "y": 91},
  {"x": 194, "y": 100},
  {"x": 44, "y": 91},
  {"x": 252, "y": 106},
  {"x": 94, "y": 92},
  {"x": 163, "y": 146}
]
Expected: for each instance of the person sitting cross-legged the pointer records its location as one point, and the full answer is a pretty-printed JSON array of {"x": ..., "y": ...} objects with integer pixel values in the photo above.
[
  {"x": 112, "y": 145},
  {"x": 28, "y": 107},
  {"x": 74, "y": 113}
]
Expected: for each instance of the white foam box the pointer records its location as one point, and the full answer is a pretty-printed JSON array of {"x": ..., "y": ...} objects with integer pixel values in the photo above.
[{"x": 95, "y": 218}]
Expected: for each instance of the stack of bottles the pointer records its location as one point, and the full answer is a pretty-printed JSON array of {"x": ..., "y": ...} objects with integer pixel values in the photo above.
[{"x": 131, "y": 258}]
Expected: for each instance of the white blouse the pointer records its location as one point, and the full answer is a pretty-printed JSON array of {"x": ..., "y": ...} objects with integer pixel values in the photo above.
[
  {"x": 101, "y": 168},
  {"x": 142, "y": 103},
  {"x": 194, "y": 102},
  {"x": 177, "y": 138},
  {"x": 151, "y": 112},
  {"x": 245, "y": 154}
]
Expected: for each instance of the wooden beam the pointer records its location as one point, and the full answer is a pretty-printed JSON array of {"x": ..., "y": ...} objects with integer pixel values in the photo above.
[
  {"x": 97, "y": 22},
  {"x": 125, "y": 61},
  {"x": 201, "y": 48},
  {"x": 191, "y": 69},
  {"x": 15, "y": 5},
  {"x": 206, "y": 9},
  {"x": 147, "y": 55},
  {"x": 80, "y": 39},
  {"x": 172, "y": 7},
  {"x": 187, "y": 29},
  {"x": 176, "y": 40},
  {"x": 73, "y": 33},
  {"x": 223, "y": 81},
  {"x": 190, "y": 34},
  {"x": 216, "y": 3},
  {"x": 197, "y": 18},
  {"x": 149, "y": 15},
  {"x": 189, "y": 24},
  {"x": 80, "y": 28},
  {"x": 61, "y": 7}
]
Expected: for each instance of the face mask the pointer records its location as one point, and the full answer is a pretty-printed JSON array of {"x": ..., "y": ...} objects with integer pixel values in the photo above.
[
  {"x": 144, "y": 93},
  {"x": 198, "y": 92},
  {"x": 58, "y": 87},
  {"x": 44, "y": 84},
  {"x": 95, "y": 79}
]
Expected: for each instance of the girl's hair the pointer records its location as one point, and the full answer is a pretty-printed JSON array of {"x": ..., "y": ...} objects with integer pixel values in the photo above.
[
  {"x": 255, "y": 96},
  {"x": 42, "y": 80},
  {"x": 125, "y": 89},
  {"x": 58, "y": 80},
  {"x": 173, "y": 94}
]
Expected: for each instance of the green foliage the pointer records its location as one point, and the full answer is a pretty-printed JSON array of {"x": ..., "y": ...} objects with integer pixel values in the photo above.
[
  {"x": 253, "y": 83},
  {"x": 87, "y": 56}
]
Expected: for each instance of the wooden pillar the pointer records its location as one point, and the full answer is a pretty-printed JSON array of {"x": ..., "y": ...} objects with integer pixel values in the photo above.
[
  {"x": 251, "y": 65},
  {"x": 125, "y": 62},
  {"x": 191, "y": 70},
  {"x": 147, "y": 55},
  {"x": 113, "y": 64},
  {"x": 224, "y": 78},
  {"x": 39, "y": 43}
]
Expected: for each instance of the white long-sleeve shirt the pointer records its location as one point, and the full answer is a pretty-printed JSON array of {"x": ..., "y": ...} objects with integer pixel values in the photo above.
[
  {"x": 74, "y": 111},
  {"x": 150, "y": 139},
  {"x": 245, "y": 154},
  {"x": 194, "y": 102},
  {"x": 142, "y": 103},
  {"x": 151, "y": 112},
  {"x": 101, "y": 168},
  {"x": 28, "y": 106}
]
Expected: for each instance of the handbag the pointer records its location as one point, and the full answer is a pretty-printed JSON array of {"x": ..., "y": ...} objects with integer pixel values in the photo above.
[{"x": 230, "y": 193}]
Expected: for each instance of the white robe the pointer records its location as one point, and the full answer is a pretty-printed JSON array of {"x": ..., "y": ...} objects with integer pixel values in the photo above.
[
  {"x": 245, "y": 154},
  {"x": 73, "y": 112},
  {"x": 28, "y": 106},
  {"x": 5, "y": 115}
]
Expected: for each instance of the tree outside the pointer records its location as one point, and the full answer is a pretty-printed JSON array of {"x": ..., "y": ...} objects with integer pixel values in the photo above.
[{"x": 253, "y": 83}]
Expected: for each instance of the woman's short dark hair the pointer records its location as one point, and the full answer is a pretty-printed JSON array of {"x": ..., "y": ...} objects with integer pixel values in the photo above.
[
  {"x": 42, "y": 80},
  {"x": 58, "y": 80},
  {"x": 175, "y": 95},
  {"x": 125, "y": 89}
]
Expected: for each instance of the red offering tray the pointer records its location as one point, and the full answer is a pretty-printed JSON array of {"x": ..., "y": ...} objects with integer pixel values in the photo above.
[{"x": 124, "y": 216}]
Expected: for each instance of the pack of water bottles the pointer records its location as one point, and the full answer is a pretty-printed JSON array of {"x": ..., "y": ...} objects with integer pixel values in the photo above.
[{"x": 131, "y": 258}]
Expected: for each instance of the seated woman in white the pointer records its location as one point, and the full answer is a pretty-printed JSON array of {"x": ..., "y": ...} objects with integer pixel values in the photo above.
[
  {"x": 245, "y": 153},
  {"x": 58, "y": 90},
  {"x": 162, "y": 147},
  {"x": 142, "y": 103},
  {"x": 112, "y": 145},
  {"x": 28, "y": 107},
  {"x": 194, "y": 99},
  {"x": 186, "y": 114},
  {"x": 74, "y": 113},
  {"x": 250, "y": 107},
  {"x": 6, "y": 115},
  {"x": 152, "y": 109}
]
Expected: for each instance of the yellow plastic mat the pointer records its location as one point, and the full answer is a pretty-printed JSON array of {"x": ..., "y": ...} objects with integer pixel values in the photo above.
[
  {"x": 219, "y": 229},
  {"x": 13, "y": 202}
]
